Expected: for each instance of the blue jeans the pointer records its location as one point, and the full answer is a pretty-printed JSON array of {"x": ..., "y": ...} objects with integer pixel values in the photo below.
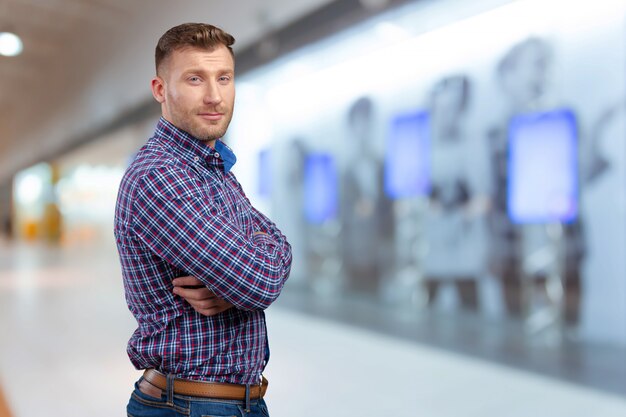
[{"x": 143, "y": 405}]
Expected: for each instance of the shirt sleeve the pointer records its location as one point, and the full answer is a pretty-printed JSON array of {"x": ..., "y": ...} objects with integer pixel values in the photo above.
[{"x": 182, "y": 225}]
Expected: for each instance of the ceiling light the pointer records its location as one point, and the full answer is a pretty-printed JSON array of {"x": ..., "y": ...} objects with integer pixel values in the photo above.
[{"x": 10, "y": 44}]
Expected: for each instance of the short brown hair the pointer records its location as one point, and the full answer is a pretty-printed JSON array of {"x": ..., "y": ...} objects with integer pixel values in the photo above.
[{"x": 196, "y": 35}]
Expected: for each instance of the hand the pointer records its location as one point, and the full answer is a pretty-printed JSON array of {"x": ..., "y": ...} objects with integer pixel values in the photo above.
[{"x": 203, "y": 300}]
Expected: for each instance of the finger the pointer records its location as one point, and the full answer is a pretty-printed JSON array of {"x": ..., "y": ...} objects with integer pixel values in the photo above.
[
  {"x": 187, "y": 281},
  {"x": 208, "y": 310},
  {"x": 210, "y": 304},
  {"x": 194, "y": 293},
  {"x": 207, "y": 303},
  {"x": 212, "y": 311}
]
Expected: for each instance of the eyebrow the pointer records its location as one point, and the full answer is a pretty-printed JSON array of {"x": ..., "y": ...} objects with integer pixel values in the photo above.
[{"x": 203, "y": 71}]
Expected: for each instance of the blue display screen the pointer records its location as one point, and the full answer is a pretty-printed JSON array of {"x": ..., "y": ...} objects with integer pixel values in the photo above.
[
  {"x": 265, "y": 173},
  {"x": 320, "y": 188},
  {"x": 407, "y": 157},
  {"x": 543, "y": 167}
]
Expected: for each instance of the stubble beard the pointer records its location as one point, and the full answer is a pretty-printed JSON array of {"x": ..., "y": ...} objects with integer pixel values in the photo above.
[{"x": 206, "y": 133}]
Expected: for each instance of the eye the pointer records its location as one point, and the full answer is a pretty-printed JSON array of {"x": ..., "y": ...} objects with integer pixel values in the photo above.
[
  {"x": 224, "y": 79},
  {"x": 194, "y": 79}
]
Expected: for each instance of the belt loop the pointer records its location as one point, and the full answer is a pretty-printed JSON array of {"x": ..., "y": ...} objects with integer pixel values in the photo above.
[
  {"x": 170, "y": 389},
  {"x": 247, "y": 398},
  {"x": 261, "y": 386}
]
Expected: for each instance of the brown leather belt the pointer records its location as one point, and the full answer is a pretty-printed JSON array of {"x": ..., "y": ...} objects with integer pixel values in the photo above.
[{"x": 215, "y": 390}]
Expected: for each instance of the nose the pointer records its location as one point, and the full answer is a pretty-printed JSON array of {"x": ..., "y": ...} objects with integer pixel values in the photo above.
[{"x": 212, "y": 95}]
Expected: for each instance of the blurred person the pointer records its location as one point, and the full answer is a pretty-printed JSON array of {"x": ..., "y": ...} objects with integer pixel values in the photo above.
[
  {"x": 323, "y": 228},
  {"x": 523, "y": 77},
  {"x": 452, "y": 221},
  {"x": 366, "y": 212},
  {"x": 313, "y": 241},
  {"x": 200, "y": 264}
]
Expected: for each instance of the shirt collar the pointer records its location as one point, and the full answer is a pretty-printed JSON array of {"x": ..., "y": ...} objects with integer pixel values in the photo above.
[{"x": 194, "y": 149}]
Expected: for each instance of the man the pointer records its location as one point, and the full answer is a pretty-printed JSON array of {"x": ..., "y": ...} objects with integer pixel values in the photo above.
[
  {"x": 523, "y": 77},
  {"x": 200, "y": 264},
  {"x": 367, "y": 213},
  {"x": 452, "y": 222}
]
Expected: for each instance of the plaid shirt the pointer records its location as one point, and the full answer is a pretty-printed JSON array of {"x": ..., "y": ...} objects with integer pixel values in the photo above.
[{"x": 180, "y": 211}]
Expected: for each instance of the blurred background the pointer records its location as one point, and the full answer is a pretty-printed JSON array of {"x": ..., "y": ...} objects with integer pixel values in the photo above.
[{"x": 451, "y": 175}]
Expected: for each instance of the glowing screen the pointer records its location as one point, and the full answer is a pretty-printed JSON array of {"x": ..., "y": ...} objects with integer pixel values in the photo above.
[
  {"x": 320, "y": 188},
  {"x": 407, "y": 157},
  {"x": 543, "y": 167}
]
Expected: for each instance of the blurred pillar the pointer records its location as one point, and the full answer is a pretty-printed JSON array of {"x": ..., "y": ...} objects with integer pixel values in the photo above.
[{"x": 51, "y": 222}]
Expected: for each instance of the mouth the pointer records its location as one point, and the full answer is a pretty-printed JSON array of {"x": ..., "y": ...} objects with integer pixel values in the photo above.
[{"x": 211, "y": 116}]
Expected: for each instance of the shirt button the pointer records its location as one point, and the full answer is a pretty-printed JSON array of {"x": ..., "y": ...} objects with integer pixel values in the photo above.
[
  {"x": 216, "y": 154},
  {"x": 197, "y": 158}
]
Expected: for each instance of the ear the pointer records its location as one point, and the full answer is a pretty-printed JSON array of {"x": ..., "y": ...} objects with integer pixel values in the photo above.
[{"x": 158, "y": 89}]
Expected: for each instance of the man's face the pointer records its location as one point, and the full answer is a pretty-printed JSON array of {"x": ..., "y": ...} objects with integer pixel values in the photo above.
[
  {"x": 196, "y": 89},
  {"x": 527, "y": 80},
  {"x": 447, "y": 107}
]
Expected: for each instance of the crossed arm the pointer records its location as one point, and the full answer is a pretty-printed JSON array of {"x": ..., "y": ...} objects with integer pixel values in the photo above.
[
  {"x": 176, "y": 219},
  {"x": 203, "y": 300}
]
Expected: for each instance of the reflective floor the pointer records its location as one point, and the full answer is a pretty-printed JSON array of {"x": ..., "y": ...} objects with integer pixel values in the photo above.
[{"x": 64, "y": 327}]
